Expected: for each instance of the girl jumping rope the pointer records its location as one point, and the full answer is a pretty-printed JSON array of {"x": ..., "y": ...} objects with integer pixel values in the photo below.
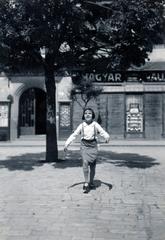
[{"x": 89, "y": 129}]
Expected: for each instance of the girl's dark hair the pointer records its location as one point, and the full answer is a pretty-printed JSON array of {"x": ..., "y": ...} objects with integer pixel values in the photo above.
[{"x": 90, "y": 109}]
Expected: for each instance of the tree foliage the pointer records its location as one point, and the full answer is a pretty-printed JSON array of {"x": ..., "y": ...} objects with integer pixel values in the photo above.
[
  {"x": 130, "y": 31},
  {"x": 109, "y": 34},
  {"x": 86, "y": 90}
]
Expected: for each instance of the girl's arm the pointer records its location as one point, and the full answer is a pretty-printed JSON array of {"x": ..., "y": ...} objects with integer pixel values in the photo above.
[
  {"x": 73, "y": 136},
  {"x": 102, "y": 132}
]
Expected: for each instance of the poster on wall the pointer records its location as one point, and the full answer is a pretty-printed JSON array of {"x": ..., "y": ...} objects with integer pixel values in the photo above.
[
  {"x": 4, "y": 115},
  {"x": 134, "y": 119},
  {"x": 65, "y": 115}
]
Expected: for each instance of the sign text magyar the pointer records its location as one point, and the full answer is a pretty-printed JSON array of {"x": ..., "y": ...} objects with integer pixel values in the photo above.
[{"x": 103, "y": 77}]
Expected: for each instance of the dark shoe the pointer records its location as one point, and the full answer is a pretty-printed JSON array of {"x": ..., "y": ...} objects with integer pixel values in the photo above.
[
  {"x": 86, "y": 188},
  {"x": 92, "y": 186}
]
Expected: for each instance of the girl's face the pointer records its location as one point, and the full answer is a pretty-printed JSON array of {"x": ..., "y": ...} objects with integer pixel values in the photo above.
[{"x": 88, "y": 116}]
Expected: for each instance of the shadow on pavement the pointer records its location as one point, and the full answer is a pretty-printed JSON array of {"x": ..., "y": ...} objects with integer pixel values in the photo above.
[
  {"x": 130, "y": 160},
  {"x": 30, "y": 161},
  {"x": 97, "y": 184},
  {"x": 25, "y": 162}
]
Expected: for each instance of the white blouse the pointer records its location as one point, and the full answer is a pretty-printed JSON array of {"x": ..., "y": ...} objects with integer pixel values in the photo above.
[{"x": 88, "y": 132}]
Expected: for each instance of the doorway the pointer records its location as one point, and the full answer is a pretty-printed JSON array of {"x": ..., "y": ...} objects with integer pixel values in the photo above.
[{"x": 32, "y": 112}]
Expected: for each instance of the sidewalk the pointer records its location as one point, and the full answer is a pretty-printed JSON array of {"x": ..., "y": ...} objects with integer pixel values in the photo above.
[
  {"x": 131, "y": 142},
  {"x": 44, "y": 201}
]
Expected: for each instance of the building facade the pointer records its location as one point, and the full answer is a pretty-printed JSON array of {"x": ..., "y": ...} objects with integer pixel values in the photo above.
[
  {"x": 131, "y": 105},
  {"x": 23, "y": 105},
  {"x": 133, "y": 108}
]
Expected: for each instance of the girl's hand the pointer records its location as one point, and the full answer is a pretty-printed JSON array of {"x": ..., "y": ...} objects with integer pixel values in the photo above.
[
  {"x": 107, "y": 140},
  {"x": 65, "y": 149}
]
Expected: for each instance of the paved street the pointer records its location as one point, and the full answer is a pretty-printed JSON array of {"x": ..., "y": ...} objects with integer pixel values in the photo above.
[{"x": 44, "y": 201}]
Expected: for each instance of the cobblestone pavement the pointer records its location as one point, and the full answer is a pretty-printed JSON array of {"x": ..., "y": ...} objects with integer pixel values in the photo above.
[{"x": 44, "y": 201}]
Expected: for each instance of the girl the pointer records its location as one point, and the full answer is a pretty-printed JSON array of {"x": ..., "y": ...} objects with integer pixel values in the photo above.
[{"x": 89, "y": 150}]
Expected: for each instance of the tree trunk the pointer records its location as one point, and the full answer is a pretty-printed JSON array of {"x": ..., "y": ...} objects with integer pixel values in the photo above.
[{"x": 51, "y": 133}]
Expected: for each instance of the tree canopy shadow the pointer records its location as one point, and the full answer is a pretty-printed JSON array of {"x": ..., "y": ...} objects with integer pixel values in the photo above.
[
  {"x": 29, "y": 161},
  {"x": 130, "y": 160},
  {"x": 24, "y": 162}
]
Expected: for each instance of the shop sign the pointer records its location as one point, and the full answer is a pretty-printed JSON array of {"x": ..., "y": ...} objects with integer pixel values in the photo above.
[
  {"x": 119, "y": 77},
  {"x": 103, "y": 77},
  {"x": 153, "y": 76}
]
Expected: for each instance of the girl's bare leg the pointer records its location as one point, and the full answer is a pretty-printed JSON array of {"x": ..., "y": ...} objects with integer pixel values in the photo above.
[{"x": 86, "y": 171}]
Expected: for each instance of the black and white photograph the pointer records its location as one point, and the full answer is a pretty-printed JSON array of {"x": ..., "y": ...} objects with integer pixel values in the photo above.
[{"x": 82, "y": 120}]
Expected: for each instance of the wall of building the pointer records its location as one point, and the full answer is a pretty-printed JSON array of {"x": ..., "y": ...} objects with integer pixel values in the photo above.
[
  {"x": 153, "y": 115},
  {"x": 5, "y": 108},
  {"x": 18, "y": 85},
  {"x": 116, "y": 115},
  {"x": 12, "y": 88},
  {"x": 113, "y": 104}
]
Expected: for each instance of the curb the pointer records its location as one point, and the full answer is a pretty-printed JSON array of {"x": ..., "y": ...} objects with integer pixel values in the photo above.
[{"x": 76, "y": 145}]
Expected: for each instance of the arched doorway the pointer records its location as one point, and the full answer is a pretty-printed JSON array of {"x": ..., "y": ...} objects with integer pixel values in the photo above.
[{"x": 32, "y": 112}]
